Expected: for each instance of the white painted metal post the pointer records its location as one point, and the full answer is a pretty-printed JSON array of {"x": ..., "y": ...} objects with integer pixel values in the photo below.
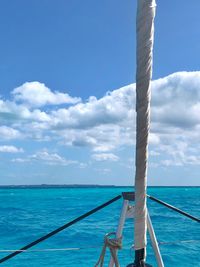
[
  {"x": 154, "y": 242},
  {"x": 120, "y": 225}
]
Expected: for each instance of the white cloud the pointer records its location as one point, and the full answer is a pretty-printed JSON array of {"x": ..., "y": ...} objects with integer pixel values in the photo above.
[
  {"x": 20, "y": 160},
  {"x": 154, "y": 138},
  {"x": 11, "y": 112},
  {"x": 112, "y": 109},
  {"x": 36, "y": 94},
  {"x": 9, "y": 133},
  {"x": 10, "y": 149},
  {"x": 83, "y": 165},
  {"x": 105, "y": 157},
  {"x": 45, "y": 157},
  {"x": 109, "y": 122},
  {"x": 51, "y": 158},
  {"x": 176, "y": 100},
  {"x": 175, "y": 118},
  {"x": 103, "y": 170},
  {"x": 154, "y": 153},
  {"x": 100, "y": 138}
]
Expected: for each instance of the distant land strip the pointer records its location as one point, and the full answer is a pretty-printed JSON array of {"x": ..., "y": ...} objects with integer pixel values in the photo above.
[{"x": 82, "y": 186}]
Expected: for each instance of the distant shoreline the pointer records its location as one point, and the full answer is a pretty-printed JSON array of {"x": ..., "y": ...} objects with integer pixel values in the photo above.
[{"x": 47, "y": 186}]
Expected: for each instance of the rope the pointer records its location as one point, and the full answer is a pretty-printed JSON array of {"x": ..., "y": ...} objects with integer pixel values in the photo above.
[
  {"x": 174, "y": 208},
  {"x": 113, "y": 244},
  {"x": 60, "y": 229},
  {"x": 126, "y": 247},
  {"x": 50, "y": 249}
]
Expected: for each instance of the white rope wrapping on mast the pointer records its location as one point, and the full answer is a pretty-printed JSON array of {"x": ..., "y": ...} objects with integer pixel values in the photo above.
[{"x": 145, "y": 36}]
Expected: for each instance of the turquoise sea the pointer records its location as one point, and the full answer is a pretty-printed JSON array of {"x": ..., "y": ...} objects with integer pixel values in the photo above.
[{"x": 26, "y": 214}]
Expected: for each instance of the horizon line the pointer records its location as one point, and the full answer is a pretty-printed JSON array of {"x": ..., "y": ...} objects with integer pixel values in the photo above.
[{"x": 86, "y": 185}]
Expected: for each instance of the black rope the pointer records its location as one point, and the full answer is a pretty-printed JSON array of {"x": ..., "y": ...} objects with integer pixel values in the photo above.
[
  {"x": 60, "y": 229},
  {"x": 174, "y": 208}
]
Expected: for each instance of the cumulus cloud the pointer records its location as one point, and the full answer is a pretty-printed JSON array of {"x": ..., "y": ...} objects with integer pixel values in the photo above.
[
  {"x": 10, "y": 149},
  {"x": 20, "y": 160},
  {"x": 51, "y": 158},
  {"x": 109, "y": 122},
  {"x": 176, "y": 100},
  {"x": 48, "y": 158},
  {"x": 100, "y": 138},
  {"x": 175, "y": 118},
  {"x": 9, "y": 133},
  {"x": 154, "y": 153},
  {"x": 103, "y": 170},
  {"x": 113, "y": 108},
  {"x": 36, "y": 94},
  {"x": 11, "y": 112},
  {"x": 105, "y": 157}
]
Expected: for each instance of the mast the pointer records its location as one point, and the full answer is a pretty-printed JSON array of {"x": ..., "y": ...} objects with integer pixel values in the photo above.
[{"x": 145, "y": 35}]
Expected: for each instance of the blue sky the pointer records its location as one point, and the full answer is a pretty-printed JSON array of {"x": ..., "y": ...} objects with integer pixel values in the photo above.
[{"x": 67, "y": 74}]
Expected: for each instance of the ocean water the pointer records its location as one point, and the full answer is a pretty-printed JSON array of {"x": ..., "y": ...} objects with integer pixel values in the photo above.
[{"x": 27, "y": 214}]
